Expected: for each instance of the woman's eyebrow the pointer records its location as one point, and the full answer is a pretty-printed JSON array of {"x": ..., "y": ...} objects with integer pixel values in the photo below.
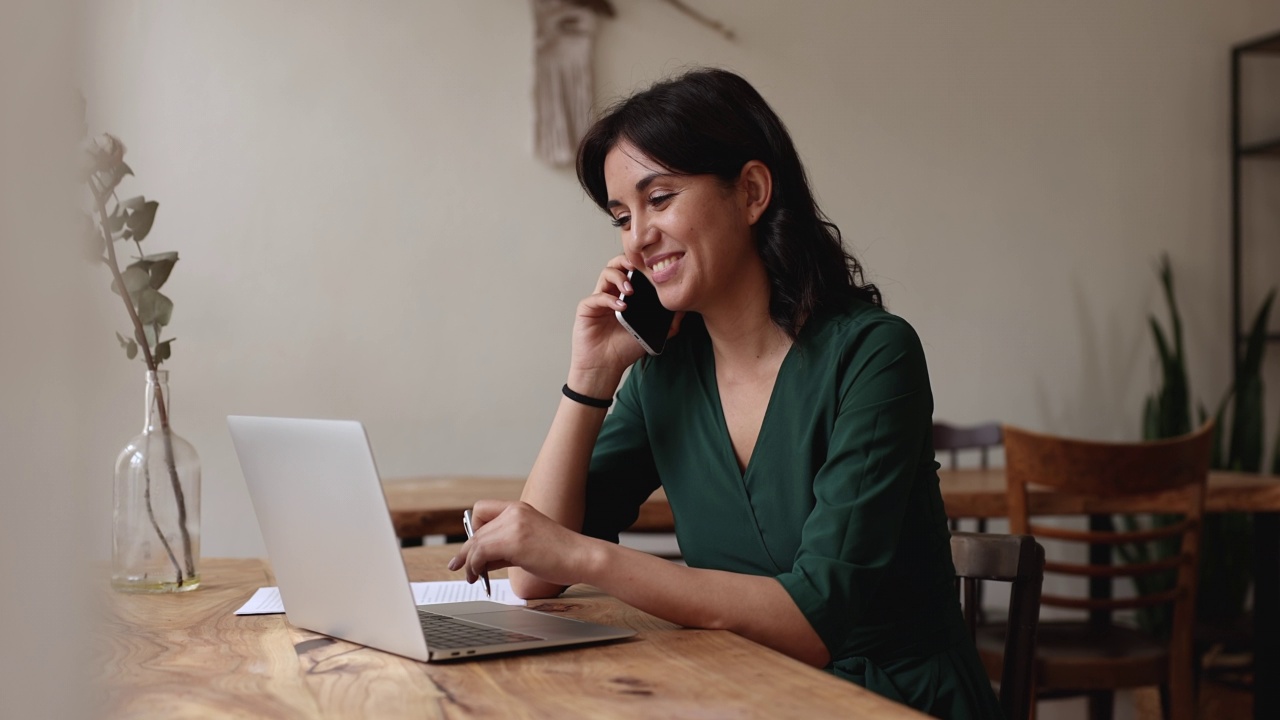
[
  {"x": 644, "y": 182},
  {"x": 647, "y": 180}
]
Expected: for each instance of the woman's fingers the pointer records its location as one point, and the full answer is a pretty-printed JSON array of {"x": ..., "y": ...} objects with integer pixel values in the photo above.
[
  {"x": 613, "y": 281},
  {"x": 485, "y": 510}
]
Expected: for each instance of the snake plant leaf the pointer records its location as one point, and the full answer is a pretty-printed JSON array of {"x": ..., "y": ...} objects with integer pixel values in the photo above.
[
  {"x": 1246, "y": 427},
  {"x": 1162, "y": 346},
  {"x": 1246, "y": 423},
  {"x": 1258, "y": 337},
  {"x": 140, "y": 221},
  {"x": 1219, "y": 458},
  {"x": 1166, "y": 281},
  {"x": 1150, "y": 419},
  {"x": 1275, "y": 458}
]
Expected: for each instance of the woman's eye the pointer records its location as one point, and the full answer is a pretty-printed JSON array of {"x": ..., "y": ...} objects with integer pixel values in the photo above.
[
  {"x": 657, "y": 200},
  {"x": 621, "y": 221}
]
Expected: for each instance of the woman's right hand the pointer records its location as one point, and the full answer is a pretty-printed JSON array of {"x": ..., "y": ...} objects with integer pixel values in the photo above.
[{"x": 602, "y": 348}]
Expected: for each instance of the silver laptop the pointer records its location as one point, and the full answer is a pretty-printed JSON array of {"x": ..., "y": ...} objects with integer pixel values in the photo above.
[{"x": 337, "y": 561}]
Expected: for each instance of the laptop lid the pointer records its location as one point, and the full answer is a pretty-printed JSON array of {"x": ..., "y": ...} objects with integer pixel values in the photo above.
[
  {"x": 335, "y": 554},
  {"x": 324, "y": 520}
]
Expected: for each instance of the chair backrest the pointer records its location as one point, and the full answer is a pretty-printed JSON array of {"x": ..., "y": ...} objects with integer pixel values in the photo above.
[
  {"x": 1019, "y": 560},
  {"x": 952, "y": 439},
  {"x": 1174, "y": 471}
]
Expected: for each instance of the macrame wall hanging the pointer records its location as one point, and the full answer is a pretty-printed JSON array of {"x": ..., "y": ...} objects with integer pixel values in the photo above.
[{"x": 563, "y": 83}]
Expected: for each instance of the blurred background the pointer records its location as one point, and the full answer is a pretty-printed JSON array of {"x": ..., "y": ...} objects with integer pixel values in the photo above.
[{"x": 365, "y": 231}]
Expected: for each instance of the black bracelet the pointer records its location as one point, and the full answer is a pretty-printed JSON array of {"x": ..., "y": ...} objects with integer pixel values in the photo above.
[{"x": 586, "y": 400}]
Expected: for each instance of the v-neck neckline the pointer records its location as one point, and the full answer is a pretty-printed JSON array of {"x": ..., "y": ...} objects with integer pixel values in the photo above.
[{"x": 726, "y": 440}]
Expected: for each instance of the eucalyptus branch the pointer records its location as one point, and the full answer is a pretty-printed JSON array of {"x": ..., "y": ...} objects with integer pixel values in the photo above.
[
  {"x": 104, "y": 221},
  {"x": 99, "y": 190}
]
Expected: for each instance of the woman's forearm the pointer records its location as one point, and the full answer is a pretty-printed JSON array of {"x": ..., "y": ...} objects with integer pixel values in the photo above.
[
  {"x": 557, "y": 482},
  {"x": 756, "y": 607}
]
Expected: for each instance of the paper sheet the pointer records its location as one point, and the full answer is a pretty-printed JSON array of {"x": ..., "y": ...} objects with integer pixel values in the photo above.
[{"x": 267, "y": 600}]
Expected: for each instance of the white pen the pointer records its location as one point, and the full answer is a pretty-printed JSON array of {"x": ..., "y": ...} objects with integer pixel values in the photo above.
[{"x": 466, "y": 525}]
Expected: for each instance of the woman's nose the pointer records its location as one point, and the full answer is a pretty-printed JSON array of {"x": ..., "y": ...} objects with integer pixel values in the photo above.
[{"x": 642, "y": 235}]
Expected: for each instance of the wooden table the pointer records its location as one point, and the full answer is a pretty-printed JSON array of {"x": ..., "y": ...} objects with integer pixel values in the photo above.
[
  {"x": 425, "y": 506},
  {"x": 433, "y": 505},
  {"x": 188, "y": 656}
]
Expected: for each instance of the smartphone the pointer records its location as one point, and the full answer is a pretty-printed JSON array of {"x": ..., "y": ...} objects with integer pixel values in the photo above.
[{"x": 645, "y": 318}]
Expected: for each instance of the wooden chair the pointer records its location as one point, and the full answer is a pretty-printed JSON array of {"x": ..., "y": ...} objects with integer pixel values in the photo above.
[
  {"x": 1098, "y": 656},
  {"x": 953, "y": 439},
  {"x": 1019, "y": 560}
]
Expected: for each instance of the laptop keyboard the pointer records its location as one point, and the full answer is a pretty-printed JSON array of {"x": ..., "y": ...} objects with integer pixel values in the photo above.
[{"x": 445, "y": 632}]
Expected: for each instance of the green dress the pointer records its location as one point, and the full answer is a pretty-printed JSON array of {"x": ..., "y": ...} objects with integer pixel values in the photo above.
[{"x": 839, "y": 501}]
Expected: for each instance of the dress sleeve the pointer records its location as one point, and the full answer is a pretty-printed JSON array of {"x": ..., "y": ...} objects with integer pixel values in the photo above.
[
  {"x": 864, "y": 486},
  {"x": 622, "y": 474}
]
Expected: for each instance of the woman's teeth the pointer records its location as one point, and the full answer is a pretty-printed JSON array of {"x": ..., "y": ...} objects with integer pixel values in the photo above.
[{"x": 663, "y": 264}]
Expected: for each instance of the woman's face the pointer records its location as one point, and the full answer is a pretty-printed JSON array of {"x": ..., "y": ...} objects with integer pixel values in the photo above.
[{"x": 690, "y": 234}]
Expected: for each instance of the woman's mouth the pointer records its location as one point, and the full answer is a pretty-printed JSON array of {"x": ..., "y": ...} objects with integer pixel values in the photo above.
[{"x": 665, "y": 268}]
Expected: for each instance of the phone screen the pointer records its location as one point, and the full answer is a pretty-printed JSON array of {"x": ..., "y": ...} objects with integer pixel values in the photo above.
[{"x": 645, "y": 317}]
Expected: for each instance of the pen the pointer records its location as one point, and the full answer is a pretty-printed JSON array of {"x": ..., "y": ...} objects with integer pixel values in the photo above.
[{"x": 466, "y": 525}]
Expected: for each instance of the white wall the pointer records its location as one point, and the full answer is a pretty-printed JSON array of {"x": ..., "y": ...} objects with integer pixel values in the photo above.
[
  {"x": 365, "y": 232},
  {"x": 44, "y": 375}
]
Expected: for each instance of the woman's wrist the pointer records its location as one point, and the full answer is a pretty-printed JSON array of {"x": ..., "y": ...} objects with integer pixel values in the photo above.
[{"x": 599, "y": 384}]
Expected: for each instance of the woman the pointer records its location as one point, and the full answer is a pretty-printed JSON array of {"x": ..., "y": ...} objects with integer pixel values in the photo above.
[{"x": 788, "y": 418}]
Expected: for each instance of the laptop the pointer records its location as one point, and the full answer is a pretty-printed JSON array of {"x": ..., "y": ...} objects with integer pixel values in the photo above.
[{"x": 337, "y": 560}]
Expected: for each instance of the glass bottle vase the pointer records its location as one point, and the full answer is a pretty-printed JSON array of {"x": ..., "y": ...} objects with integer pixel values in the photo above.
[{"x": 155, "y": 538}]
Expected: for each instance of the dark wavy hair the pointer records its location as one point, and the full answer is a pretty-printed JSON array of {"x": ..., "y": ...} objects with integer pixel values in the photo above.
[{"x": 713, "y": 122}]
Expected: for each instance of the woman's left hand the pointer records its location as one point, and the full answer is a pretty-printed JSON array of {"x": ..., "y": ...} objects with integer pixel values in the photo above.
[{"x": 510, "y": 534}]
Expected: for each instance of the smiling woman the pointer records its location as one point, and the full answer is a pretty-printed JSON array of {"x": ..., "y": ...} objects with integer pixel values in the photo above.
[{"x": 789, "y": 418}]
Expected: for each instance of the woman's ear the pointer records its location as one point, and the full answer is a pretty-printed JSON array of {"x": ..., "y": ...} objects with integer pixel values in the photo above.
[{"x": 756, "y": 183}]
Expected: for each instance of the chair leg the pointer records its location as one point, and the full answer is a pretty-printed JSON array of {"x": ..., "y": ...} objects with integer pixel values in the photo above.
[
  {"x": 1102, "y": 705},
  {"x": 1180, "y": 701}
]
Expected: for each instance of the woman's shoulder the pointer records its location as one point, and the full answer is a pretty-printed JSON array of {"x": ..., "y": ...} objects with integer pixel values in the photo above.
[{"x": 856, "y": 324}]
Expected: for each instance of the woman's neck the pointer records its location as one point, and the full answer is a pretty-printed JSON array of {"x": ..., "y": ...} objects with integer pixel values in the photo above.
[{"x": 742, "y": 332}]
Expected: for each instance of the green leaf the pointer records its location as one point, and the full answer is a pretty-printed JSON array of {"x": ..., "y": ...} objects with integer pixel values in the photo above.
[
  {"x": 1246, "y": 427},
  {"x": 135, "y": 278},
  {"x": 1175, "y": 318},
  {"x": 131, "y": 350},
  {"x": 1151, "y": 419},
  {"x": 1275, "y": 458},
  {"x": 115, "y": 221},
  {"x": 1257, "y": 338},
  {"x": 111, "y": 176},
  {"x": 159, "y": 266},
  {"x": 153, "y": 308},
  {"x": 140, "y": 220},
  {"x": 133, "y": 203},
  {"x": 148, "y": 335},
  {"x": 163, "y": 351}
]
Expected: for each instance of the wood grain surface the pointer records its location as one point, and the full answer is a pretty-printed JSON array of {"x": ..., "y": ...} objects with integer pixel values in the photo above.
[
  {"x": 188, "y": 656},
  {"x": 983, "y": 494},
  {"x": 433, "y": 505}
]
